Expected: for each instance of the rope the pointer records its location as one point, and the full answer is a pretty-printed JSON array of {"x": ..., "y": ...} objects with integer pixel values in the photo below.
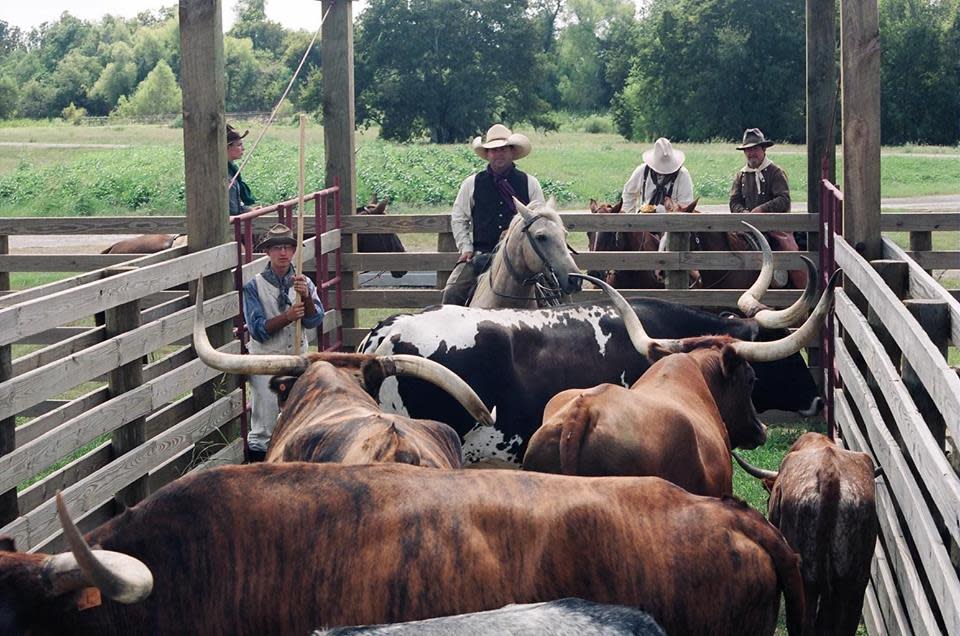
[{"x": 273, "y": 114}]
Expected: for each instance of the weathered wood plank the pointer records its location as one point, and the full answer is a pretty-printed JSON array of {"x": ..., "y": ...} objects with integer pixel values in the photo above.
[
  {"x": 941, "y": 382},
  {"x": 922, "y": 285},
  {"x": 888, "y": 597},
  {"x": 35, "y": 386},
  {"x": 92, "y": 225},
  {"x": 41, "y": 314},
  {"x": 917, "y": 222},
  {"x": 930, "y": 548},
  {"x": 34, "y": 429},
  {"x": 871, "y": 613},
  {"x": 58, "y": 351},
  {"x": 926, "y": 453},
  {"x": 908, "y": 578},
  {"x": 64, "y": 477},
  {"x": 42, "y": 523},
  {"x": 936, "y": 260},
  {"x": 61, "y": 262},
  {"x": 46, "y": 449}
]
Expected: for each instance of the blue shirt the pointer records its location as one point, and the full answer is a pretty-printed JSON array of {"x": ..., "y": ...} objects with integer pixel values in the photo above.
[{"x": 253, "y": 311}]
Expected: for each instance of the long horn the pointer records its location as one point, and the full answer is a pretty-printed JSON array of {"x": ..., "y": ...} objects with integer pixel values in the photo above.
[
  {"x": 118, "y": 576},
  {"x": 267, "y": 364},
  {"x": 641, "y": 341},
  {"x": 779, "y": 349},
  {"x": 441, "y": 376},
  {"x": 759, "y": 473},
  {"x": 749, "y": 302}
]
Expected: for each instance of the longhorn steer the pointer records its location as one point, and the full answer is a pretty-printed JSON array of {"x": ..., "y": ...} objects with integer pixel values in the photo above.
[
  {"x": 566, "y": 617},
  {"x": 146, "y": 244},
  {"x": 328, "y": 417},
  {"x": 517, "y": 360},
  {"x": 823, "y": 501},
  {"x": 283, "y": 548},
  {"x": 678, "y": 421}
]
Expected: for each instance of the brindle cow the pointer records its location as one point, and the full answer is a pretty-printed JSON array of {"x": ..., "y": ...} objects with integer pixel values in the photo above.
[
  {"x": 327, "y": 416},
  {"x": 678, "y": 421},
  {"x": 284, "y": 548},
  {"x": 823, "y": 501}
]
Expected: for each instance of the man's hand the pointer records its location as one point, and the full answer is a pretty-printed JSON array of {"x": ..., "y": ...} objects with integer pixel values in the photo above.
[
  {"x": 300, "y": 286},
  {"x": 464, "y": 257},
  {"x": 295, "y": 312},
  {"x": 757, "y": 210}
]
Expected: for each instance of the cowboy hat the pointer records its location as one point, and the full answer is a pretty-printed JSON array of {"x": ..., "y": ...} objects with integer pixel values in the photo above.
[
  {"x": 233, "y": 136},
  {"x": 498, "y": 136},
  {"x": 754, "y": 137},
  {"x": 279, "y": 234},
  {"x": 662, "y": 158}
]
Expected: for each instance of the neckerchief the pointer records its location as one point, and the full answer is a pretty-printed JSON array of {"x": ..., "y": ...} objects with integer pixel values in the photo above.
[
  {"x": 246, "y": 197},
  {"x": 757, "y": 172},
  {"x": 503, "y": 187},
  {"x": 283, "y": 284}
]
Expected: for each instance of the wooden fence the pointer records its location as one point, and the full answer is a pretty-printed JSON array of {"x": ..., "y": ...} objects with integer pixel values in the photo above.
[{"x": 898, "y": 400}]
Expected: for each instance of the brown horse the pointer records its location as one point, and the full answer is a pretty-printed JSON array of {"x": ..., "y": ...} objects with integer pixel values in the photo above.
[
  {"x": 384, "y": 242},
  {"x": 623, "y": 242}
]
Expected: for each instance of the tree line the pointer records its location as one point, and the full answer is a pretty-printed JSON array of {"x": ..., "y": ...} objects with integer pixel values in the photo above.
[{"x": 443, "y": 70}]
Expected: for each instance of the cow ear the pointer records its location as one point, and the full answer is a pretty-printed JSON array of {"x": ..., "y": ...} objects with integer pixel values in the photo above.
[
  {"x": 281, "y": 385},
  {"x": 374, "y": 374},
  {"x": 768, "y": 483},
  {"x": 730, "y": 361},
  {"x": 7, "y": 544}
]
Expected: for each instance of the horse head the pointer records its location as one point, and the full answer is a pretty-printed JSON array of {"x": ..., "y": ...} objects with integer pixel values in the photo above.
[{"x": 385, "y": 242}]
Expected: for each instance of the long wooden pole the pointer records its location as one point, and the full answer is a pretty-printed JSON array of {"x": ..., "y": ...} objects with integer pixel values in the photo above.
[{"x": 300, "y": 203}]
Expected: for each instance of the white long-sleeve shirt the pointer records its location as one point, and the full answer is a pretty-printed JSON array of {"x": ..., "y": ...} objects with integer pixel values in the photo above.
[
  {"x": 461, "y": 217},
  {"x": 682, "y": 189}
]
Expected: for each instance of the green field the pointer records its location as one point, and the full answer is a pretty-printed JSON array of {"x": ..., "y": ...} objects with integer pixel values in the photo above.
[{"x": 144, "y": 173}]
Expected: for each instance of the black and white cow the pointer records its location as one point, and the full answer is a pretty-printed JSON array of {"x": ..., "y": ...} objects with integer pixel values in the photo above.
[{"x": 516, "y": 360}]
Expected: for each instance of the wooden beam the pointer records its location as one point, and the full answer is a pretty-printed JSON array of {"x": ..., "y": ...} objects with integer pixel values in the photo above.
[
  {"x": 821, "y": 96},
  {"x": 860, "y": 72},
  {"x": 336, "y": 53}
]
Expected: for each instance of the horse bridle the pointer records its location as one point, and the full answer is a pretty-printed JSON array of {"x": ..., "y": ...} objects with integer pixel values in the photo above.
[{"x": 547, "y": 284}]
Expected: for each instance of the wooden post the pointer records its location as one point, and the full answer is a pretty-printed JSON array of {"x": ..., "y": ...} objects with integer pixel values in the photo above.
[
  {"x": 336, "y": 43},
  {"x": 860, "y": 70},
  {"x": 934, "y": 317},
  {"x": 677, "y": 278},
  {"x": 8, "y": 500},
  {"x": 202, "y": 78},
  {"x": 921, "y": 241},
  {"x": 445, "y": 243},
  {"x": 895, "y": 275},
  {"x": 821, "y": 95},
  {"x": 127, "y": 377}
]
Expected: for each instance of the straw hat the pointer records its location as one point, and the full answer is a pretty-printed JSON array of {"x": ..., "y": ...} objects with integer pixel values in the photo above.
[
  {"x": 754, "y": 137},
  {"x": 662, "y": 158},
  {"x": 279, "y": 234},
  {"x": 498, "y": 136}
]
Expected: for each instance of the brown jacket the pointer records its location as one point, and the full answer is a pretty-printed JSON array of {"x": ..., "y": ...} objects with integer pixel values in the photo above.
[{"x": 774, "y": 194}]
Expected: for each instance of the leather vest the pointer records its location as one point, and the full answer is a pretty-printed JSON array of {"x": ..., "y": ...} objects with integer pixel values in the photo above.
[{"x": 490, "y": 213}]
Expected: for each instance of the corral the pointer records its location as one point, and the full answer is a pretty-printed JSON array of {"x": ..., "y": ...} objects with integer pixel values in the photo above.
[{"x": 892, "y": 392}]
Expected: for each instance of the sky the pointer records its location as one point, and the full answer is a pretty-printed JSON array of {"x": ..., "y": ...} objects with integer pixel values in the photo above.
[{"x": 292, "y": 14}]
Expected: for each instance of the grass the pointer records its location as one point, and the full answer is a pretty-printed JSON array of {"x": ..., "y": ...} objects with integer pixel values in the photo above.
[{"x": 146, "y": 175}]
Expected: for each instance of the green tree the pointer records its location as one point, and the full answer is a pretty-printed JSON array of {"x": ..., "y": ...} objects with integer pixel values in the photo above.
[
  {"x": 446, "y": 68},
  {"x": 8, "y": 97},
  {"x": 158, "y": 94},
  {"x": 252, "y": 23},
  {"x": 119, "y": 77}
]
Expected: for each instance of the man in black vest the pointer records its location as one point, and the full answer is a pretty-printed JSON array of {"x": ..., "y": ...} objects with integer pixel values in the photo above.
[{"x": 484, "y": 205}]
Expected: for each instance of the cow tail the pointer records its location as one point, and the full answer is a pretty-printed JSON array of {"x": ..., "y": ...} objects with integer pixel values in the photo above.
[
  {"x": 828, "y": 485},
  {"x": 573, "y": 432}
]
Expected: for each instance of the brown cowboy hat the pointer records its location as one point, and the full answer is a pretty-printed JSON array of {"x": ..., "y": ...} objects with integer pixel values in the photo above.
[
  {"x": 279, "y": 234},
  {"x": 499, "y": 135},
  {"x": 754, "y": 137},
  {"x": 233, "y": 136}
]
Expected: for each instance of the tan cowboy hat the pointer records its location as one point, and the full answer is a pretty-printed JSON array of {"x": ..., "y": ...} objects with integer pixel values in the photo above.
[
  {"x": 754, "y": 137},
  {"x": 279, "y": 234},
  {"x": 499, "y": 135},
  {"x": 662, "y": 158}
]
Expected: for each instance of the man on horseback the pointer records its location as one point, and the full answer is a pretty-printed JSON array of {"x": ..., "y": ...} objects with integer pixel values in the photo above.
[
  {"x": 761, "y": 186},
  {"x": 660, "y": 176},
  {"x": 484, "y": 206}
]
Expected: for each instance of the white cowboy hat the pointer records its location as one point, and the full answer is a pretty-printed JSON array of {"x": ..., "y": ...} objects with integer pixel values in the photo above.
[
  {"x": 662, "y": 158},
  {"x": 499, "y": 135}
]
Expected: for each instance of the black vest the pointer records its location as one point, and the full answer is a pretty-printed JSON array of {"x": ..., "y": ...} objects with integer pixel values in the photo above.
[{"x": 490, "y": 213}]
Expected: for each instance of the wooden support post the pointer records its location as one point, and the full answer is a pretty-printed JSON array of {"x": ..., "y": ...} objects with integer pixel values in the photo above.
[
  {"x": 336, "y": 44},
  {"x": 202, "y": 78},
  {"x": 895, "y": 275},
  {"x": 445, "y": 243},
  {"x": 8, "y": 500},
  {"x": 677, "y": 242},
  {"x": 821, "y": 95},
  {"x": 921, "y": 242},
  {"x": 127, "y": 377},
  {"x": 860, "y": 72}
]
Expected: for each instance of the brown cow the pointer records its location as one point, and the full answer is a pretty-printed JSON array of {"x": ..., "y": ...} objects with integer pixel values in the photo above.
[
  {"x": 823, "y": 501},
  {"x": 327, "y": 416},
  {"x": 678, "y": 421},
  {"x": 146, "y": 244},
  {"x": 283, "y": 548}
]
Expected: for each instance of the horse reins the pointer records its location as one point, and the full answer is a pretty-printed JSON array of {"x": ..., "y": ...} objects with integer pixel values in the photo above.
[{"x": 547, "y": 287}]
